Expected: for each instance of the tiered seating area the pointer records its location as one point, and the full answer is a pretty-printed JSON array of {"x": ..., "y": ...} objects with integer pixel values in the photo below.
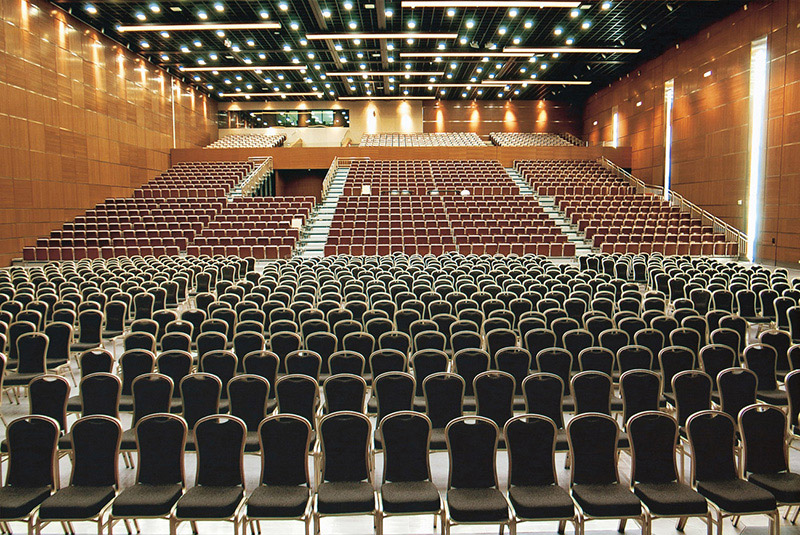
[
  {"x": 446, "y": 139},
  {"x": 196, "y": 179},
  {"x": 614, "y": 217},
  {"x": 438, "y": 206},
  {"x": 528, "y": 139},
  {"x": 175, "y": 213},
  {"x": 248, "y": 141}
]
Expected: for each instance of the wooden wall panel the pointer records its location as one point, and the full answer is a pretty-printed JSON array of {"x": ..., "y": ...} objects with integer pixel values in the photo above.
[
  {"x": 81, "y": 119},
  {"x": 484, "y": 117},
  {"x": 711, "y": 121},
  {"x": 322, "y": 157}
]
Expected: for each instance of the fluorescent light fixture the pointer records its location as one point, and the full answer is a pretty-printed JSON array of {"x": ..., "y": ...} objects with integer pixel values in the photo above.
[
  {"x": 572, "y": 50},
  {"x": 247, "y": 68},
  {"x": 707, "y": 74},
  {"x": 386, "y": 73},
  {"x": 445, "y": 54},
  {"x": 536, "y": 82},
  {"x": 276, "y": 94},
  {"x": 488, "y": 3},
  {"x": 415, "y": 35},
  {"x": 759, "y": 64},
  {"x": 669, "y": 98},
  {"x": 421, "y": 97},
  {"x": 199, "y": 27},
  {"x": 615, "y": 128}
]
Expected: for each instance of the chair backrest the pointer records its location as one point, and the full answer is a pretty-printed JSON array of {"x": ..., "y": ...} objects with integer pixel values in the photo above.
[
  {"x": 47, "y": 396},
  {"x": 95, "y": 451},
  {"x": 692, "y": 389},
  {"x": 592, "y": 392},
  {"x": 557, "y": 361},
  {"x": 176, "y": 365},
  {"x": 285, "y": 441},
  {"x": 426, "y": 362},
  {"x": 385, "y": 360},
  {"x": 494, "y": 394},
  {"x": 152, "y": 393},
  {"x": 792, "y": 384},
  {"x": 674, "y": 359},
  {"x": 763, "y": 431},
  {"x": 531, "y": 443},
  {"x": 265, "y": 364},
  {"x": 248, "y": 395},
  {"x": 32, "y": 447},
  {"x": 100, "y": 393},
  {"x": 200, "y": 394},
  {"x": 304, "y": 361},
  {"x": 220, "y": 440},
  {"x": 405, "y": 436},
  {"x": 160, "y": 442},
  {"x": 444, "y": 398},
  {"x": 298, "y": 394},
  {"x": 653, "y": 437},
  {"x": 640, "y": 391},
  {"x": 712, "y": 439},
  {"x": 394, "y": 392},
  {"x": 472, "y": 448},
  {"x": 134, "y": 363},
  {"x": 714, "y": 358},
  {"x": 544, "y": 395},
  {"x": 634, "y": 357},
  {"x": 95, "y": 360},
  {"x": 762, "y": 360},
  {"x": 32, "y": 352},
  {"x": 737, "y": 389},
  {"x": 592, "y": 441},
  {"x": 344, "y": 392},
  {"x": 345, "y": 439}
]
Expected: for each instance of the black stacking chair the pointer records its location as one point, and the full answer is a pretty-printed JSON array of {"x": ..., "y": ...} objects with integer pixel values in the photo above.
[
  {"x": 761, "y": 359},
  {"x": 407, "y": 488},
  {"x": 654, "y": 475},
  {"x": 299, "y": 395},
  {"x": 594, "y": 478},
  {"x": 544, "y": 395},
  {"x": 672, "y": 360},
  {"x": 95, "y": 476},
  {"x": 344, "y": 392},
  {"x": 32, "y": 351},
  {"x": 284, "y": 490},
  {"x": 737, "y": 389},
  {"x": 444, "y": 402},
  {"x": 712, "y": 439},
  {"x": 473, "y": 493},
  {"x": 218, "y": 494},
  {"x": 31, "y": 471},
  {"x": 634, "y": 357},
  {"x": 160, "y": 440},
  {"x": 398, "y": 340},
  {"x": 714, "y": 358},
  {"x": 90, "y": 334},
  {"x": 248, "y": 395},
  {"x": 557, "y": 361},
  {"x": 468, "y": 363},
  {"x": 387, "y": 360},
  {"x": 346, "y": 471},
  {"x": 765, "y": 458},
  {"x": 265, "y": 364},
  {"x": 533, "y": 489},
  {"x": 200, "y": 395}
]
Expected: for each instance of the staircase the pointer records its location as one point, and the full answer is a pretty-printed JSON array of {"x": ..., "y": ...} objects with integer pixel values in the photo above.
[
  {"x": 312, "y": 243},
  {"x": 549, "y": 206}
]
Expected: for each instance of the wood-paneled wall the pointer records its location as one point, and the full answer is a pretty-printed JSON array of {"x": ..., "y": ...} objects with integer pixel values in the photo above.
[
  {"x": 711, "y": 121},
  {"x": 81, "y": 119},
  {"x": 483, "y": 117}
]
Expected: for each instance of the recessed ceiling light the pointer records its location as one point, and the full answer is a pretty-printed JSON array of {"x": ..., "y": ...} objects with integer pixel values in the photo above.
[
  {"x": 144, "y": 44},
  {"x": 326, "y": 13},
  {"x": 90, "y": 9},
  {"x": 501, "y": 30},
  {"x": 202, "y": 15},
  {"x": 294, "y": 26},
  {"x": 264, "y": 14},
  {"x": 586, "y": 24},
  {"x": 283, "y": 6},
  {"x": 165, "y": 35},
  {"x": 141, "y": 16},
  {"x": 570, "y": 40},
  {"x": 218, "y": 6},
  {"x": 575, "y": 13},
  {"x": 164, "y": 57},
  {"x": 185, "y": 49},
  {"x": 389, "y": 13},
  {"x": 412, "y": 24},
  {"x": 213, "y": 57},
  {"x": 605, "y": 5},
  {"x": 352, "y": 25},
  {"x": 516, "y": 40},
  {"x": 513, "y": 13},
  {"x": 558, "y": 31},
  {"x": 707, "y": 74},
  {"x": 348, "y": 6},
  {"x": 451, "y": 12},
  {"x": 470, "y": 24}
]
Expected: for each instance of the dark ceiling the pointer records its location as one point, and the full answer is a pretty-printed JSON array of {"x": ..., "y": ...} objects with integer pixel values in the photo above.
[{"x": 651, "y": 25}]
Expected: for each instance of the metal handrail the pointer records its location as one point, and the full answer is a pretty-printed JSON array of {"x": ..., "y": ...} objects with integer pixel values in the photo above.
[
  {"x": 339, "y": 161},
  {"x": 575, "y": 140},
  {"x": 254, "y": 179},
  {"x": 732, "y": 234}
]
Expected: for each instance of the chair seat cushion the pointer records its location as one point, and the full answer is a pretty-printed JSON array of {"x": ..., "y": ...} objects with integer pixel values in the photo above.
[
  {"x": 773, "y": 397},
  {"x": 784, "y": 486},
  {"x": 206, "y": 501},
  {"x": 146, "y": 500},
  {"x": 338, "y": 497},
  {"x": 541, "y": 501},
  {"x": 737, "y": 495},
  {"x": 410, "y": 497},
  {"x": 18, "y": 379},
  {"x": 128, "y": 441},
  {"x": 477, "y": 505},
  {"x": 672, "y": 498},
  {"x": 126, "y": 403},
  {"x": 562, "y": 444},
  {"x": 76, "y": 503},
  {"x": 277, "y": 501},
  {"x": 83, "y": 346},
  {"x": 19, "y": 501},
  {"x": 252, "y": 443},
  {"x": 613, "y": 500},
  {"x": 74, "y": 404}
]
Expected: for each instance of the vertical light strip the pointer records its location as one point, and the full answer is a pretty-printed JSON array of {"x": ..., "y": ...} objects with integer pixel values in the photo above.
[
  {"x": 615, "y": 127},
  {"x": 758, "y": 120},
  {"x": 669, "y": 96}
]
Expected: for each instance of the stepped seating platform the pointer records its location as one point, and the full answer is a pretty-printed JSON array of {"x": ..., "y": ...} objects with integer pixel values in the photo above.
[{"x": 528, "y": 139}]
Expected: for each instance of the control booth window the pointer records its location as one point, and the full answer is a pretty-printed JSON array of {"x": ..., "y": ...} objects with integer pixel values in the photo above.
[{"x": 283, "y": 118}]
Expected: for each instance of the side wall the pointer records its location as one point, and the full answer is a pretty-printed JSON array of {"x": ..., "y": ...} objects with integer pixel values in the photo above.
[
  {"x": 711, "y": 122},
  {"x": 81, "y": 119}
]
